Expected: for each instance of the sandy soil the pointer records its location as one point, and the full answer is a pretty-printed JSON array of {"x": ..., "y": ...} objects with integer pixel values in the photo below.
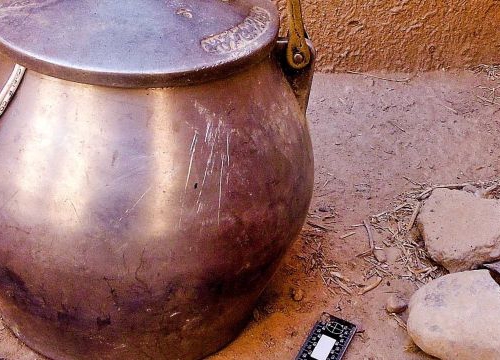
[{"x": 368, "y": 134}]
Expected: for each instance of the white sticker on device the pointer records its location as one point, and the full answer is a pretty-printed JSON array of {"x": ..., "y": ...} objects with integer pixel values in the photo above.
[{"x": 323, "y": 348}]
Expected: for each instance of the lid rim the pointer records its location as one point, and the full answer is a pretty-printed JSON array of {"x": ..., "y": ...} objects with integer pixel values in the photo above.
[
  {"x": 226, "y": 38},
  {"x": 187, "y": 77}
]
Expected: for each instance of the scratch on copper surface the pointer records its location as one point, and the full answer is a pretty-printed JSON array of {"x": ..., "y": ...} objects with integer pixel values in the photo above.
[
  {"x": 208, "y": 132},
  {"x": 76, "y": 212},
  {"x": 136, "y": 203},
  {"x": 142, "y": 168},
  {"x": 212, "y": 138},
  {"x": 220, "y": 186},
  {"x": 209, "y": 161},
  {"x": 228, "y": 135},
  {"x": 192, "y": 150},
  {"x": 180, "y": 220},
  {"x": 216, "y": 139},
  {"x": 9, "y": 199},
  {"x": 143, "y": 283}
]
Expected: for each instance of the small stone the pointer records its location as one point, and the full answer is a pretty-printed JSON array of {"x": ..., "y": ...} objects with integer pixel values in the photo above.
[
  {"x": 297, "y": 295},
  {"x": 470, "y": 189},
  {"x": 380, "y": 256},
  {"x": 456, "y": 317},
  {"x": 393, "y": 255},
  {"x": 460, "y": 230},
  {"x": 415, "y": 235},
  {"x": 360, "y": 328},
  {"x": 324, "y": 209},
  {"x": 396, "y": 304}
]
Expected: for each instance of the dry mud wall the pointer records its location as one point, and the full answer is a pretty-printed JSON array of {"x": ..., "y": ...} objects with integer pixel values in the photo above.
[{"x": 404, "y": 35}]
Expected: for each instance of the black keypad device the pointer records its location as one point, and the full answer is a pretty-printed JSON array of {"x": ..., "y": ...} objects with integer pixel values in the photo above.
[{"x": 328, "y": 340}]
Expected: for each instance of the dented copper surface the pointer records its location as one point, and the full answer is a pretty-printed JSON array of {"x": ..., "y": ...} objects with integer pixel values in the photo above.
[{"x": 143, "y": 223}]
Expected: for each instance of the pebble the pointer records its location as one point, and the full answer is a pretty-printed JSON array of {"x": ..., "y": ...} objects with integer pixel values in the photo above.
[
  {"x": 470, "y": 189},
  {"x": 256, "y": 315},
  {"x": 396, "y": 304},
  {"x": 380, "y": 255},
  {"x": 360, "y": 328},
  {"x": 393, "y": 255},
  {"x": 297, "y": 295}
]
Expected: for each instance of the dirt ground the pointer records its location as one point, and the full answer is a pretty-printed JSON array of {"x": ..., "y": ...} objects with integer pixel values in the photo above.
[{"x": 370, "y": 136}]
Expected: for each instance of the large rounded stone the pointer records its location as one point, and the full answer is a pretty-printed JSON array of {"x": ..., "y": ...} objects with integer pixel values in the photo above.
[{"x": 457, "y": 317}]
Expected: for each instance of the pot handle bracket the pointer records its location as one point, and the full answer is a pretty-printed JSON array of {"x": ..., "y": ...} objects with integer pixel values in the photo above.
[
  {"x": 8, "y": 91},
  {"x": 297, "y": 55}
]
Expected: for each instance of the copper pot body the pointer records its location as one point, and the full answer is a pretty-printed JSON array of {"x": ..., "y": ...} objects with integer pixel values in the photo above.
[{"x": 145, "y": 223}]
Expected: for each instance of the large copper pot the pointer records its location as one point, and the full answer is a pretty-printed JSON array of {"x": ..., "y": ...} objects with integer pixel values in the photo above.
[{"x": 146, "y": 200}]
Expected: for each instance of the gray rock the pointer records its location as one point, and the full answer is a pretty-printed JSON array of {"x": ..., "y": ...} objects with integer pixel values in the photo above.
[
  {"x": 460, "y": 230},
  {"x": 457, "y": 317}
]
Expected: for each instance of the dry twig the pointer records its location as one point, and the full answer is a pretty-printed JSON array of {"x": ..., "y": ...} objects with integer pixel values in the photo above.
[
  {"x": 369, "y": 232},
  {"x": 405, "y": 80},
  {"x": 317, "y": 226},
  {"x": 398, "y": 222},
  {"x": 396, "y": 126},
  {"x": 451, "y": 109},
  {"x": 490, "y": 101},
  {"x": 399, "y": 321},
  {"x": 348, "y": 234},
  {"x": 396, "y": 225},
  {"x": 371, "y": 241},
  {"x": 492, "y": 70},
  {"x": 370, "y": 287},
  {"x": 414, "y": 216}
]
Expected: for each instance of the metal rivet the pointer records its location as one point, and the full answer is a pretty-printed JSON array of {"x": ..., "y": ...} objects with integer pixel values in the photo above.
[{"x": 298, "y": 58}]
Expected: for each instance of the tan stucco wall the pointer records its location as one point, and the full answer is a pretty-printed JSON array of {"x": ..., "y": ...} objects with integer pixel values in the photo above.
[{"x": 403, "y": 35}]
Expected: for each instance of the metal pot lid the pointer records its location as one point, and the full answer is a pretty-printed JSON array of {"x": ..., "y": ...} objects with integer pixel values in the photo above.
[{"x": 137, "y": 43}]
